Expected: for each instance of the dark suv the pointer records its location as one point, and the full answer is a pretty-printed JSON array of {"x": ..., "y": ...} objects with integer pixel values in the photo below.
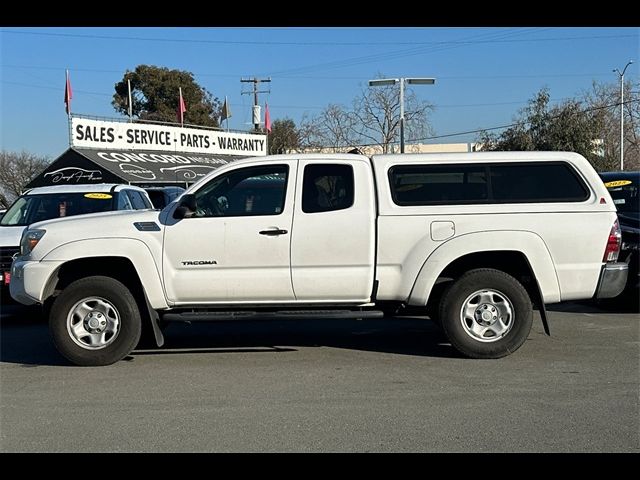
[
  {"x": 623, "y": 187},
  {"x": 163, "y": 196}
]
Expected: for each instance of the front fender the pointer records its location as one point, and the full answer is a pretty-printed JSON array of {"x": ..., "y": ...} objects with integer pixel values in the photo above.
[
  {"x": 528, "y": 243},
  {"x": 134, "y": 250}
]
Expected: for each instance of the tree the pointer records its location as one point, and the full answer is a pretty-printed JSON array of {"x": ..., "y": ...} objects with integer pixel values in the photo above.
[
  {"x": 154, "y": 92},
  {"x": 334, "y": 128},
  {"x": 283, "y": 137},
  {"x": 566, "y": 127},
  {"x": 606, "y": 98},
  {"x": 16, "y": 170},
  {"x": 373, "y": 119},
  {"x": 377, "y": 116}
]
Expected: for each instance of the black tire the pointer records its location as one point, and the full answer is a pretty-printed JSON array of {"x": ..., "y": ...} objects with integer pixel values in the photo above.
[
  {"x": 452, "y": 323},
  {"x": 113, "y": 292}
]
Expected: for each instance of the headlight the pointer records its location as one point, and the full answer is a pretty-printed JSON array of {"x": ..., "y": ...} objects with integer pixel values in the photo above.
[{"x": 30, "y": 239}]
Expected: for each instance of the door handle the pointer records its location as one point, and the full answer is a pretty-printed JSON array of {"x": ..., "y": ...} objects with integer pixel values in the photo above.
[{"x": 275, "y": 231}]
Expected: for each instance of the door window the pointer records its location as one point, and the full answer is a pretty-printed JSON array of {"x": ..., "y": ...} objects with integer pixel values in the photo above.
[
  {"x": 245, "y": 192},
  {"x": 124, "y": 203},
  {"x": 327, "y": 187},
  {"x": 138, "y": 201}
]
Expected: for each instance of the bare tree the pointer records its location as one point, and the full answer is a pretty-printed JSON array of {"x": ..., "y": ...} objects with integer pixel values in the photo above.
[
  {"x": 377, "y": 114},
  {"x": 16, "y": 170},
  {"x": 374, "y": 119},
  {"x": 605, "y": 97},
  {"x": 308, "y": 134},
  {"x": 334, "y": 129}
]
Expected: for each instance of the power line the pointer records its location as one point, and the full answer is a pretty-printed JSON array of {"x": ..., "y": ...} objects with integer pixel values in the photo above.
[
  {"x": 404, "y": 53},
  {"x": 457, "y": 134},
  {"x": 300, "y": 43},
  {"x": 582, "y": 112},
  {"x": 45, "y": 67},
  {"x": 303, "y": 107},
  {"x": 515, "y": 124},
  {"x": 314, "y": 77},
  {"x": 394, "y": 54},
  {"x": 400, "y": 53},
  {"x": 47, "y": 87},
  {"x": 520, "y": 102}
]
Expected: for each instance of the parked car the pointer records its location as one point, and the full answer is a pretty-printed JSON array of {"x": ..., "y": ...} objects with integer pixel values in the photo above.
[
  {"x": 623, "y": 187},
  {"x": 163, "y": 196},
  {"x": 334, "y": 236},
  {"x": 45, "y": 203}
]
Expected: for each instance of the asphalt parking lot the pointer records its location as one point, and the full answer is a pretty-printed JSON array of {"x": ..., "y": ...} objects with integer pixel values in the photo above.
[{"x": 328, "y": 386}]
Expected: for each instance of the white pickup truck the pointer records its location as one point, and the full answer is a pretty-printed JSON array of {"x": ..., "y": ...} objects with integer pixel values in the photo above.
[{"x": 472, "y": 239}]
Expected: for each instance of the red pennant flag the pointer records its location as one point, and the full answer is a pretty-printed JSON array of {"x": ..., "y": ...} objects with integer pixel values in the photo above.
[
  {"x": 68, "y": 94},
  {"x": 181, "y": 108},
  {"x": 267, "y": 118}
]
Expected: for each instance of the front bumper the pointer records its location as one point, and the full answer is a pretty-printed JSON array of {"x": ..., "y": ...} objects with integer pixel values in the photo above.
[
  {"x": 29, "y": 279},
  {"x": 613, "y": 279}
]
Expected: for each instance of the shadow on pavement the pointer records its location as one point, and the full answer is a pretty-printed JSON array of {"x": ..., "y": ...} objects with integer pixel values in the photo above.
[
  {"x": 29, "y": 342},
  {"x": 13, "y": 312},
  {"x": 405, "y": 336},
  {"x": 608, "y": 306}
]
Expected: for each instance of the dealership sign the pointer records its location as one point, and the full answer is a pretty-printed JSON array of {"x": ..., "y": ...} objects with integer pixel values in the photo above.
[{"x": 103, "y": 135}]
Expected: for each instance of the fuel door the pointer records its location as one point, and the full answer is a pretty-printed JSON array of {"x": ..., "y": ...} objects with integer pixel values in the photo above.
[{"x": 442, "y": 230}]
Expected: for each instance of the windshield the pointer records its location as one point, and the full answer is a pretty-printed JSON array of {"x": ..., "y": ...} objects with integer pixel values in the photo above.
[
  {"x": 625, "y": 197},
  {"x": 30, "y": 209}
]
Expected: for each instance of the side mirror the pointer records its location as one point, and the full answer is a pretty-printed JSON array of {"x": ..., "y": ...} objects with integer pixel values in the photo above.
[{"x": 186, "y": 208}]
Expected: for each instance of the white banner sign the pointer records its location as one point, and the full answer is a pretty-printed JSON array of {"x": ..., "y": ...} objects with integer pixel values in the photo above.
[{"x": 139, "y": 136}]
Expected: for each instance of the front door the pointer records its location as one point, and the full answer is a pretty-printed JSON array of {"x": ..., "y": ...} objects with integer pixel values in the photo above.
[{"x": 235, "y": 248}]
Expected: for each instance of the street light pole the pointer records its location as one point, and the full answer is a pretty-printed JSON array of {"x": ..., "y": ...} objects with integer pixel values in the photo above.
[
  {"x": 622, "y": 112},
  {"x": 392, "y": 81},
  {"x": 402, "y": 115}
]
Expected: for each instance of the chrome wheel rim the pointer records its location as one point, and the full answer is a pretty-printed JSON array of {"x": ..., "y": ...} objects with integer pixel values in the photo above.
[
  {"x": 93, "y": 323},
  {"x": 487, "y": 315}
]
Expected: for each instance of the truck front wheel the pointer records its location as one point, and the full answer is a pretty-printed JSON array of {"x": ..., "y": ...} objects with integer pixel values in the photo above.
[
  {"x": 95, "y": 321},
  {"x": 486, "y": 314}
]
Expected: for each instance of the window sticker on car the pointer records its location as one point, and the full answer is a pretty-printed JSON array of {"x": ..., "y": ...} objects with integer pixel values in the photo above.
[
  {"x": 98, "y": 196},
  {"x": 617, "y": 183},
  {"x": 619, "y": 201}
]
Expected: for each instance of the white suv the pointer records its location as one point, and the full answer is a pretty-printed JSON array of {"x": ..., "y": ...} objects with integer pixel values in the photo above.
[{"x": 45, "y": 203}]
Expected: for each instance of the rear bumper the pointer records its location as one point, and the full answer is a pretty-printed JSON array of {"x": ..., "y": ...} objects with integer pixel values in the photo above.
[{"x": 613, "y": 279}]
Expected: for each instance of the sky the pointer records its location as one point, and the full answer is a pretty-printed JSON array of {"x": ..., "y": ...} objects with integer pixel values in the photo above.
[{"x": 483, "y": 75}]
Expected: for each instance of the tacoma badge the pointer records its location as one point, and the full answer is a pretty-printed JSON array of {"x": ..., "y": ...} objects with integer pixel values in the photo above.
[{"x": 199, "y": 262}]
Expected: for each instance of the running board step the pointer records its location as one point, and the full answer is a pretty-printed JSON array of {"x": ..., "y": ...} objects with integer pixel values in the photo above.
[{"x": 280, "y": 315}]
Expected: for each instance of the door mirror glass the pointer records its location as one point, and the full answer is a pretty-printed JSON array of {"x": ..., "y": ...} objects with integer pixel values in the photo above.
[{"x": 187, "y": 207}]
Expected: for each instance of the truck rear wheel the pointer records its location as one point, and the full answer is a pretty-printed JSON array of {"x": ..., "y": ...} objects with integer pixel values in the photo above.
[
  {"x": 486, "y": 314},
  {"x": 95, "y": 321}
]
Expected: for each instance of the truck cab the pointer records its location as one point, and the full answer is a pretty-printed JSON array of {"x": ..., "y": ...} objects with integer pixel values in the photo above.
[{"x": 287, "y": 232}]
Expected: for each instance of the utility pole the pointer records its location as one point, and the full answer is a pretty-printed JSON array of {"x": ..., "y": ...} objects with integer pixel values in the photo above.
[{"x": 255, "y": 91}]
